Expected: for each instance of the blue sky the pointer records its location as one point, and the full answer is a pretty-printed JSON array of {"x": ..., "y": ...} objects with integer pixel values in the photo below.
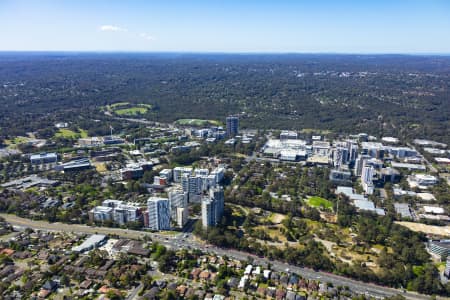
[{"x": 339, "y": 26}]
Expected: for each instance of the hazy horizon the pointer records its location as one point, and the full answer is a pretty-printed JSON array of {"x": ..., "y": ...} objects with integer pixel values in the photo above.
[{"x": 220, "y": 53}]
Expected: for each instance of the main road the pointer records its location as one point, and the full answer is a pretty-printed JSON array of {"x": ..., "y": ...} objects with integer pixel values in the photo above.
[{"x": 185, "y": 240}]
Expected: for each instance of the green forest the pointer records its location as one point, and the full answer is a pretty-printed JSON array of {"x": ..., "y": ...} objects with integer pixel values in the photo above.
[{"x": 401, "y": 95}]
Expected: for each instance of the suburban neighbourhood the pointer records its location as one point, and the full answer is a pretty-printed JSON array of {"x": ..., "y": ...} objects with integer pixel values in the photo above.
[{"x": 187, "y": 186}]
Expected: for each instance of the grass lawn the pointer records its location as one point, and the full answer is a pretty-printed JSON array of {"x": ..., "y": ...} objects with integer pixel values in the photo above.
[
  {"x": 312, "y": 130},
  {"x": 127, "y": 108},
  {"x": 16, "y": 141},
  {"x": 319, "y": 202},
  {"x": 149, "y": 106},
  {"x": 66, "y": 133},
  {"x": 119, "y": 104},
  {"x": 215, "y": 123},
  {"x": 70, "y": 134},
  {"x": 83, "y": 133},
  {"x": 131, "y": 111},
  {"x": 197, "y": 122}
]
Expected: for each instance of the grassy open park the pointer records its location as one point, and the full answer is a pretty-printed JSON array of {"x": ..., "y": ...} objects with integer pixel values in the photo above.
[
  {"x": 16, "y": 141},
  {"x": 70, "y": 134},
  {"x": 319, "y": 202},
  {"x": 197, "y": 122},
  {"x": 132, "y": 111},
  {"x": 128, "y": 109},
  {"x": 315, "y": 130},
  {"x": 118, "y": 104}
]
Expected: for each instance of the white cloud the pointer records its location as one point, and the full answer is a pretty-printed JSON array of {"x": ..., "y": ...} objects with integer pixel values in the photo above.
[
  {"x": 146, "y": 36},
  {"x": 112, "y": 28}
]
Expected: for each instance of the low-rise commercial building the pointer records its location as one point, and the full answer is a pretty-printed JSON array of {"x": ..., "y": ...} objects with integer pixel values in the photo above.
[
  {"x": 132, "y": 172},
  {"x": 94, "y": 241},
  {"x": 273, "y": 147},
  {"x": 74, "y": 165},
  {"x": 43, "y": 158},
  {"x": 411, "y": 167},
  {"x": 321, "y": 148},
  {"x": 340, "y": 177},
  {"x": 403, "y": 210},
  {"x": 288, "y": 135},
  {"x": 422, "y": 181}
]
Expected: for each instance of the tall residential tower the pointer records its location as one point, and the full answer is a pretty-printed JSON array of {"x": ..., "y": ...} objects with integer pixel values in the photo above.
[
  {"x": 212, "y": 207},
  {"x": 232, "y": 126},
  {"x": 158, "y": 213}
]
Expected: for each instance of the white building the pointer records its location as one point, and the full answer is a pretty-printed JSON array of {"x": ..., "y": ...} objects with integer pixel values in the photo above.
[
  {"x": 191, "y": 184},
  {"x": 125, "y": 213},
  {"x": 158, "y": 213},
  {"x": 111, "y": 203},
  {"x": 177, "y": 199},
  {"x": 209, "y": 181},
  {"x": 182, "y": 216},
  {"x": 340, "y": 156},
  {"x": 353, "y": 148},
  {"x": 167, "y": 173},
  {"x": 367, "y": 179},
  {"x": 43, "y": 158},
  {"x": 62, "y": 125},
  {"x": 218, "y": 173},
  {"x": 422, "y": 181},
  {"x": 94, "y": 241},
  {"x": 389, "y": 139},
  {"x": 288, "y": 135},
  {"x": 274, "y": 146},
  {"x": 212, "y": 207},
  {"x": 402, "y": 152},
  {"x": 101, "y": 213},
  {"x": 433, "y": 210},
  {"x": 359, "y": 163},
  {"x": 201, "y": 172},
  {"x": 321, "y": 148},
  {"x": 197, "y": 184},
  {"x": 117, "y": 211},
  {"x": 373, "y": 149},
  {"x": 248, "y": 270},
  {"x": 178, "y": 173}
]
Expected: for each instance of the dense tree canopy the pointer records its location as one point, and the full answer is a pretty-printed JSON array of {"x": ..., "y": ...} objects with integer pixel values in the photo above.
[{"x": 402, "y": 95}]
